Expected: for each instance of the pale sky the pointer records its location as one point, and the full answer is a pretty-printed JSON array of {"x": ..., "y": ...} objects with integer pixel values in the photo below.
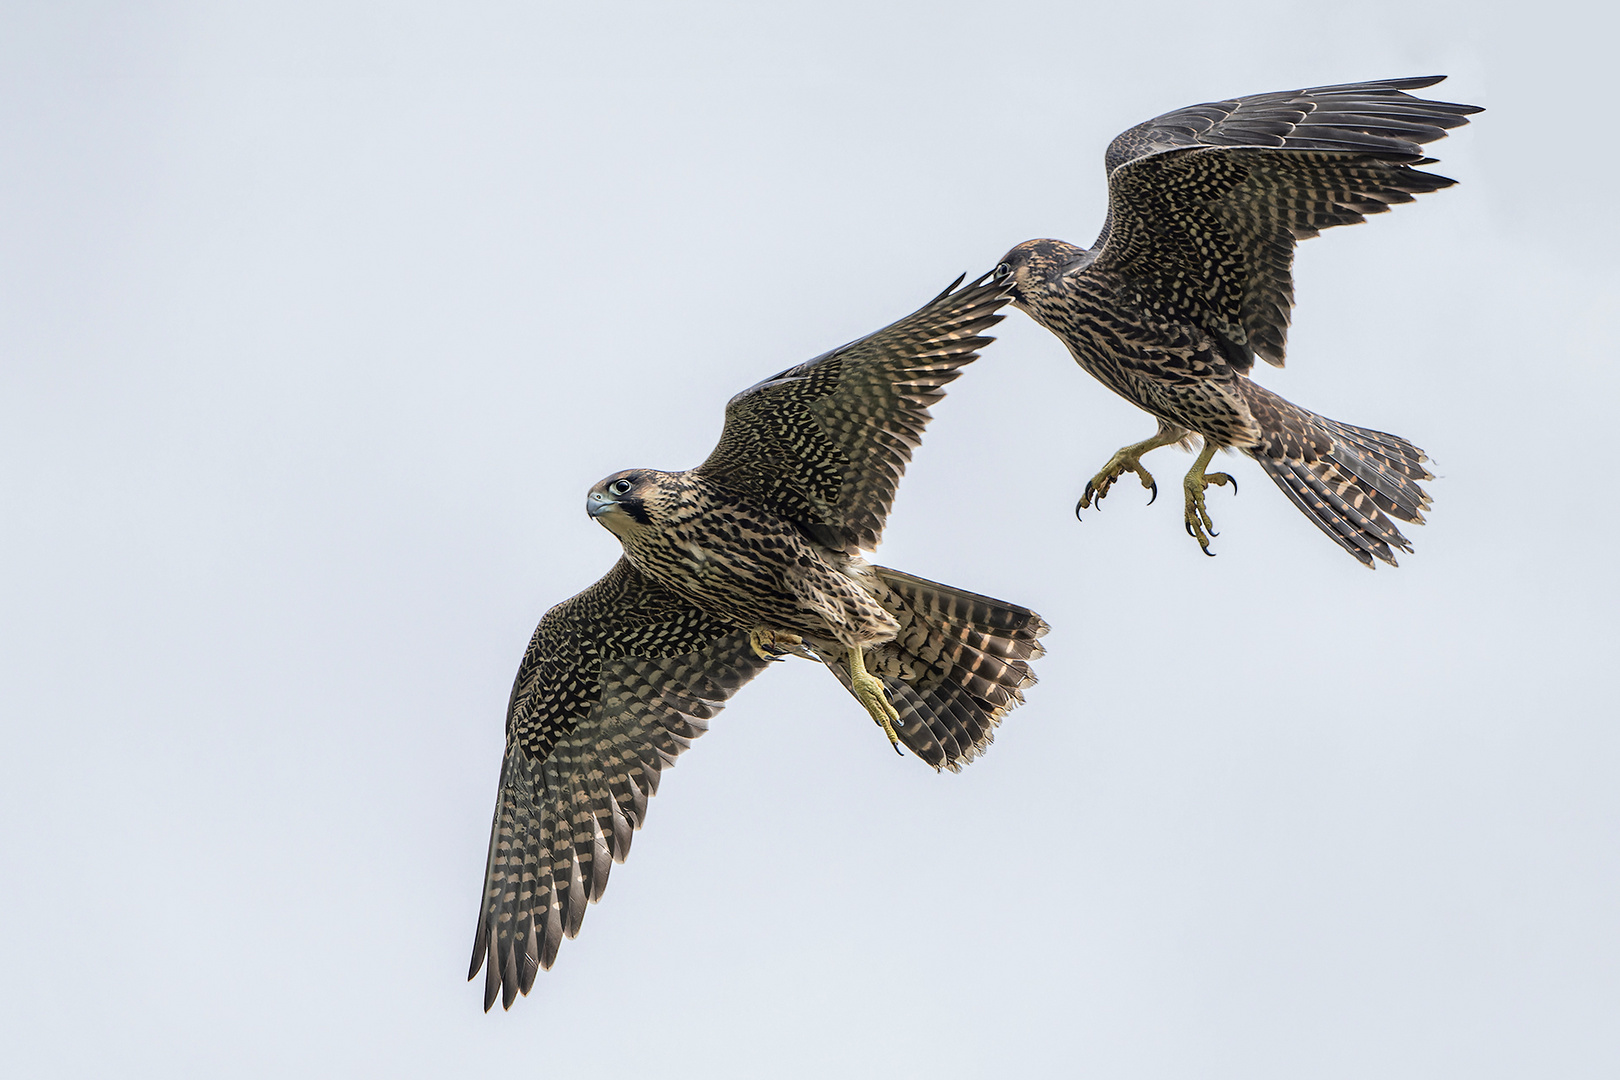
[{"x": 317, "y": 321}]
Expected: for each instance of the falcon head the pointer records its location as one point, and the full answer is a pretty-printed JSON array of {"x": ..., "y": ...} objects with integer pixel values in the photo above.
[
  {"x": 1031, "y": 267},
  {"x": 620, "y": 502}
]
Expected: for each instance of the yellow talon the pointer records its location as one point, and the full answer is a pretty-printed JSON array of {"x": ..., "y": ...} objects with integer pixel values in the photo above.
[
  {"x": 1199, "y": 525},
  {"x": 1118, "y": 465},
  {"x": 1127, "y": 459},
  {"x": 869, "y": 692},
  {"x": 775, "y": 644}
]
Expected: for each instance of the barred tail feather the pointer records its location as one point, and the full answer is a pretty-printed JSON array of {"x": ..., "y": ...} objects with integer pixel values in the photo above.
[
  {"x": 1348, "y": 480},
  {"x": 958, "y": 665}
]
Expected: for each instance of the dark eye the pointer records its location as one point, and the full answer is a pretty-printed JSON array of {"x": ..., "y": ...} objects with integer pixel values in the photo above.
[
  {"x": 620, "y": 487},
  {"x": 1004, "y": 270}
]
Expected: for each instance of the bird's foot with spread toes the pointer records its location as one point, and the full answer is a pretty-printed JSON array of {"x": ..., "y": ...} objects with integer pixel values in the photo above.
[
  {"x": 1118, "y": 465},
  {"x": 1199, "y": 526},
  {"x": 1127, "y": 459}
]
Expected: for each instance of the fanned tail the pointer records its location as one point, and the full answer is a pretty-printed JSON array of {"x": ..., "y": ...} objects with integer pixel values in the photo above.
[
  {"x": 958, "y": 665},
  {"x": 1348, "y": 480}
]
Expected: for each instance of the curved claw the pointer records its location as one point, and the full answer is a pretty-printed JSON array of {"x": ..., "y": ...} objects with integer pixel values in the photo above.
[
  {"x": 899, "y": 752},
  {"x": 1188, "y": 526},
  {"x": 775, "y": 646},
  {"x": 1126, "y": 460},
  {"x": 1220, "y": 479},
  {"x": 1208, "y": 552},
  {"x": 1077, "y": 507}
]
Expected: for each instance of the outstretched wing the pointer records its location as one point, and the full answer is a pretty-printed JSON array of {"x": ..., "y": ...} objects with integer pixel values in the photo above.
[
  {"x": 824, "y": 444},
  {"x": 616, "y": 683},
  {"x": 1205, "y": 204}
]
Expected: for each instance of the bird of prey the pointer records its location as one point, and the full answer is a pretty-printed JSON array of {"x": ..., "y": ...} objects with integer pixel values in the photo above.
[
  {"x": 752, "y": 556},
  {"x": 1192, "y": 278}
]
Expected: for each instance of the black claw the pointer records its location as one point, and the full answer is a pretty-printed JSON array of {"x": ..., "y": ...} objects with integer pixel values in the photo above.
[
  {"x": 1155, "y": 484},
  {"x": 1188, "y": 526},
  {"x": 1208, "y": 552},
  {"x": 1232, "y": 478},
  {"x": 898, "y": 751},
  {"x": 1212, "y": 532},
  {"x": 1077, "y": 507}
]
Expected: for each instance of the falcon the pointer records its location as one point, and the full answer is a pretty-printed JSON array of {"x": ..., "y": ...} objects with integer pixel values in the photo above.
[
  {"x": 1192, "y": 278},
  {"x": 752, "y": 556}
]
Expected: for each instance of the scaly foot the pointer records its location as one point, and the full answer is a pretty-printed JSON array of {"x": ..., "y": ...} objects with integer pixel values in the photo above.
[
  {"x": 1129, "y": 459},
  {"x": 1121, "y": 463},
  {"x": 869, "y": 692},
  {"x": 1199, "y": 526},
  {"x": 776, "y": 644}
]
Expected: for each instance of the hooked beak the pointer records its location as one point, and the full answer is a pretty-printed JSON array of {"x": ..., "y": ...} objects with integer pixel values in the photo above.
[{"x": 597, "y": 503}]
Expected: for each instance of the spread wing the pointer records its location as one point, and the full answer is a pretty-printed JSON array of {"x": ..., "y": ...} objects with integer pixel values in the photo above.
[
  {"x": 616, "y": 683},
  {"x": 1205, "y": 204},
  {"x": 824, "y": 444}
]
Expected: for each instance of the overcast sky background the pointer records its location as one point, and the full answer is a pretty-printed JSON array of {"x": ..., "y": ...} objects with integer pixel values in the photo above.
[{"x": 317, "y": 321}]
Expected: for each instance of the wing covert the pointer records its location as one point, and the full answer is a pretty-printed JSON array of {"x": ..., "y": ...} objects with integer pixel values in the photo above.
[
  {"x": 616, "y": 682},
  {"x": 825, "y": 443},
  {"x": 1207, "y": 203}
]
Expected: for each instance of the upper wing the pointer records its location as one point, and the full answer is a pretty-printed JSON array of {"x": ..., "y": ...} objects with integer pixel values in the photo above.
[
  {"x": 617, "y": 681},
  {"x": 1206, "y": 203},
  {"x": 824, "y": 444}
]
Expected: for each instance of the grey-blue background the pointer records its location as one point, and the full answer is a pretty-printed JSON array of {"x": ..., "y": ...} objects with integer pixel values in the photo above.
[{"x": 318, "y": 319}]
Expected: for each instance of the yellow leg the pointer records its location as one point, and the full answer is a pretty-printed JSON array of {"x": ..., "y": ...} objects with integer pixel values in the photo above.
[
  {"x": 869, "y": 692},
  {"x": 1128, "y": 459},
  {"x": 1197, "y": 515}
]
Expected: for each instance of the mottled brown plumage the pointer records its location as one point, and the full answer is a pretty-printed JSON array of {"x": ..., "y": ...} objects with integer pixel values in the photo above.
[
  {"x": 758, "y": 545},
  {"x": 1192, "y": 278}
]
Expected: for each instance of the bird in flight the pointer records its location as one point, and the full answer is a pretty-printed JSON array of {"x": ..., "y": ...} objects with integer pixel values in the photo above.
[
  {"x": 750, "y": 557},
  {"x": 1192, "y": 278}
]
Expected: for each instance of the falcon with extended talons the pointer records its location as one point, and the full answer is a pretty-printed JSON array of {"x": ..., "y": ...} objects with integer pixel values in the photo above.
[
  {"x": 748, "y": 558},
  {"x": 1192, "y": 278}
]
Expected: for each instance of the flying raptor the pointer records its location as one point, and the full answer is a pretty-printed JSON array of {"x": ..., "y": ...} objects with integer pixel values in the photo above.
[
  {"x": 1192, "y": 278},
  {"x": 752, "y": 556}
]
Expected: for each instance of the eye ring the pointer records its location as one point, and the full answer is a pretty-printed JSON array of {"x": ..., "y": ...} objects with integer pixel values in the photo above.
[{"x": 619, "y": 487}]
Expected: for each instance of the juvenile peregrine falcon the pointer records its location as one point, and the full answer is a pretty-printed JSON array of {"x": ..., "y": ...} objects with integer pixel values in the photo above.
[
  {"x": 1192, "y": 278},
  {"x": 751, "y": 556}
]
